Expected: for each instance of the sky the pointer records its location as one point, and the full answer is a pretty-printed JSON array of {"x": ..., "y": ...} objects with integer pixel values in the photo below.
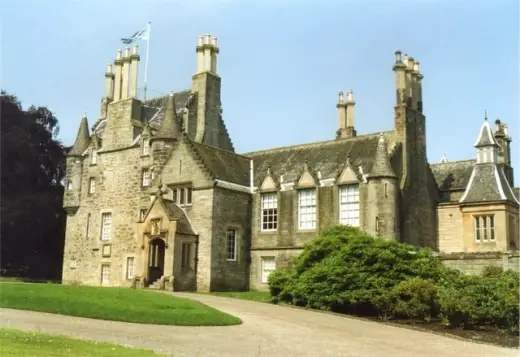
[{"x": 282, "y": 62}]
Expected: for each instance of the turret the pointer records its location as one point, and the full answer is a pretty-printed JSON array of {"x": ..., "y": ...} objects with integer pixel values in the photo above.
[
  {"x": 74, "y": 169},
  {"x": 383, "y": 194}
]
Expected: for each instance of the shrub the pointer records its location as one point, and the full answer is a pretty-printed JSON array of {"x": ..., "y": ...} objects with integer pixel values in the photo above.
[{"x": 416, "y": 298}]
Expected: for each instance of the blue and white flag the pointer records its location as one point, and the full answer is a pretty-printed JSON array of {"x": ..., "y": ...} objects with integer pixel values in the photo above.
[{"x": 139, "y": 35}]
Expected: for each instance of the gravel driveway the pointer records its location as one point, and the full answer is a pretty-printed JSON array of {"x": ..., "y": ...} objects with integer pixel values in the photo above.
[{"x": 267, "y": 330}]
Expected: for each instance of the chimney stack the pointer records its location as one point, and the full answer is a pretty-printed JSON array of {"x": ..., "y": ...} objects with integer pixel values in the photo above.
[
  {"x": 125, "y": 74},
  {"x": 207, "y": 51},
  {"x": 400, "y": 78},
  {"x": 109, "y": 82},
  {"x": 346, "y": 115},
  {"x": 134, "y": 62},
  {"x": 117, "y": 84}
]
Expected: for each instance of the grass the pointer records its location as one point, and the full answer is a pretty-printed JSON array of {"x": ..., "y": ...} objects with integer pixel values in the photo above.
[
  {"x": 260, "y": 296},
  {"x": 117, "y": 304},
  {"x": 27, "y": 344}
]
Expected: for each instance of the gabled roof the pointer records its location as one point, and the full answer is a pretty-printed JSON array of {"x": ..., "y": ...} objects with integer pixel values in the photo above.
[
  {"x": 327, "y": 157},
  {"x": 488, "y": 183},
  {"x": 174, "y": 213},
  {"x": 485, "y": 137},
  {"x": 222, "y": 164},
  {"x": 452, "y": 175}
]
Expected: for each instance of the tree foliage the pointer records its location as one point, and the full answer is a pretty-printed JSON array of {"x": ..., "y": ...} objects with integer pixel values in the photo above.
[
  {"x": 346, "y": 270},
  {"x": 33, "y": 166}
]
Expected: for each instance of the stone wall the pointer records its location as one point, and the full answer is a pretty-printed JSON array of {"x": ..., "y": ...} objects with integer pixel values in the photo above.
[
  {"x": 474, "y": 263},
  {"x": 231, "y": 210}
]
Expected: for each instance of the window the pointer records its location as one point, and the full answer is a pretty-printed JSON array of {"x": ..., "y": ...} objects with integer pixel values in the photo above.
[
  {"x": 182, "y": 195},
  {"x": 92, "y": 185},
  {"x": 106, "y": 226},
  {"x": 307, "y": 209},
  {"x": 231, "y": 247},
  {"x": 145, "y": 150},
  {"x": 87, "y": 234},
  {"x": 268, "y": 266},
  {"x": 142, "y": 214},
  {"x": 186, "y": 255},
  {"x": 349, "y": 205},
  {"x": 386, "y": 190},
  {"x": 145, "y": 177},
  {"x": 105, "y": 274},
  {"x": 129, "y": 268},
  {"x": 93, "y": 160},
  {"x": 484, "y": 228},
  {"x": 377, "y": 224},
  {"x": 269, "y": 214},
  {"x": 69, "y": 184}
]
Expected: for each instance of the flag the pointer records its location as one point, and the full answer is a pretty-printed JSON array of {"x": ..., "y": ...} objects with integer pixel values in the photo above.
[{"x": 139, "y": 35}]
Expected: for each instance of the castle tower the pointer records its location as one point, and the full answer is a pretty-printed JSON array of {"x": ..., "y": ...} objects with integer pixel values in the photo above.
[
  {"x": 206, "y": 85},
  {"x": 383, "y": 196},
  {"x": 346, "y": 116},
  {"x": 418, "y": 222},
  {"x": 71, "y": 199}
]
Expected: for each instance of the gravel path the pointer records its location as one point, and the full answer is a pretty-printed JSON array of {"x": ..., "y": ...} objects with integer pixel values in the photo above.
[{"x": 267, "y": 330}]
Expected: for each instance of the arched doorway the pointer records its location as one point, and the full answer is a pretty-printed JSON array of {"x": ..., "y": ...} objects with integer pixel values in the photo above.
[{"x": 155, "y": 260}]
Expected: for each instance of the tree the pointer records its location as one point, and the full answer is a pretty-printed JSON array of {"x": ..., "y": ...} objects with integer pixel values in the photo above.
[{"x": 32, "y": 170}]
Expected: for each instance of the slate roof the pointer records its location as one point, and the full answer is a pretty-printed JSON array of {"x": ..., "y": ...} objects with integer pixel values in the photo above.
[
  {"x": 224, "y": 165},
  {"x": 82, "y": 139},
  {"x": 153, "y": 110},
  {"x": 485, "y": 137},
  {"x": 175, "y": 213},
  {"x": 327, "y": 157},
  {"x": 516, "y": 192},
  {"x": 488, "y": 183},
  {"x": 452, "y": 175},
  {"x": 169, "y": 127},
  {"x": 382, "y": 166}
]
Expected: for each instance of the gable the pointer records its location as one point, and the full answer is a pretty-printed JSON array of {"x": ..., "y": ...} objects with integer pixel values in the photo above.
[
  {"x": 306, "y": 180},
  {"x": 268, "y": 184},
  {"x": 348, "y": 176}
]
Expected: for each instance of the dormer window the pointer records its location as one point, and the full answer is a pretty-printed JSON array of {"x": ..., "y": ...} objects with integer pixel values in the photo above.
[{"x": 145, "y": 147}]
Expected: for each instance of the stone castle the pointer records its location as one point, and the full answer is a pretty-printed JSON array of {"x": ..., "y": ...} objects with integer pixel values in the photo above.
[{"x": 157, "y": 196}]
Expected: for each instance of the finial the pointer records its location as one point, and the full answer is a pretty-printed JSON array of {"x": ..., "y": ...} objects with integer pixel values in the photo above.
[
  {"x": 84, "y": 114},
  {"x": 398, "y": 58},
  {"x": 268, "y": 170},
  {"x": 350, "y": 95},
  {"x": 306, "y": 164},
  {"x": 340, "y": 96},
  {"x": 444, "y": 159},
  {"x": 485, "y": 114},
  {"x": 171, "y": 93},
  {"x": 348, "y": 159}
]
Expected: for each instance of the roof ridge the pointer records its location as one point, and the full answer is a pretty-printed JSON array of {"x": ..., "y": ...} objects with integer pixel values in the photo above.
[
  {"x": 452, "y": 162},
  {"x": 326, "y": 142}
]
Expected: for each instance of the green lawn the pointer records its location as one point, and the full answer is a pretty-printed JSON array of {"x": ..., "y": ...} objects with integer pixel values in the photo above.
[
  {"x": 118, "y": 304},
  {"x": 261, "y": 296},
  {"x": 27, "y": 344}
]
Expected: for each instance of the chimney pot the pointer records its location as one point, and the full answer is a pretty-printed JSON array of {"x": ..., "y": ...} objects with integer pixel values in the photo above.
[
  {"x": 200, "y": 41},
  {"x": 127, "y": 52},
  {"x": 118, "y": 56},
  {"x": 109, "y": 68},
  {"x": 340, "y": 95},
  {"x": 214, "y": 41},
  {"x": 350, "y": 96},
  {"x": 135, "y": 50},
  {"x": 207, "y": 40},
  {"x": 398, "y": 58}
]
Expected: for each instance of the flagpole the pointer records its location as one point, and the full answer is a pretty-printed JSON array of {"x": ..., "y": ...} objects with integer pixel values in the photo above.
[{"x": 146, "y": 62}]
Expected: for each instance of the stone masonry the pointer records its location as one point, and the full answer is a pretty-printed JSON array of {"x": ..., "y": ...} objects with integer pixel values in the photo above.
[{"x": 157, "y": 197}]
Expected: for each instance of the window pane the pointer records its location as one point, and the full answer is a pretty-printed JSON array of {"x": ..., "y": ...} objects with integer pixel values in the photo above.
[
  {"x": 181, "y": 196},
  {"x": 231, "y": 244},
  {"x": 188, "y": 195},
  {"x": 307, "y": 209}
]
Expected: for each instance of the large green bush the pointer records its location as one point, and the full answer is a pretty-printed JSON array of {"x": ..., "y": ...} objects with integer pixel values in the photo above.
[{"x": 346, "y": 270}]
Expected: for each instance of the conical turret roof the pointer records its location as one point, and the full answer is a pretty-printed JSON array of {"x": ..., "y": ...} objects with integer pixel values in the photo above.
[
  {"x": 485, "y": 137},
  {"x": 82, "y": 139},
  {"x": 382, "y": 166},
  {"x": 170, "y": 127}
]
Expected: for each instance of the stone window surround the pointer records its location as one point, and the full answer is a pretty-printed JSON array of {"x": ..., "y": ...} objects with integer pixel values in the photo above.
[
  {"x": 89, "y": 226},
  {"x": 187, "y": 194},
  {"x": 93, "y": 156},
  {"x": 263, "y": 268},
  {"x": 128, "y": 258},
  {"x": 484, "y": 228},
  {"x": 348, "y": 203},
  {"x": 273, "y": 214},
  {"x": 105, "y": 211},
  {"x": 141, "y": 213},
  {"x": 145, "y": 146},
  {"x": 145, "y": 177},
  {"x": 313, "y": 213},
  {"x": 92, "y": 185},
  {"x": 238, "y": 233},
  {"x": 104, "y": 271}
]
